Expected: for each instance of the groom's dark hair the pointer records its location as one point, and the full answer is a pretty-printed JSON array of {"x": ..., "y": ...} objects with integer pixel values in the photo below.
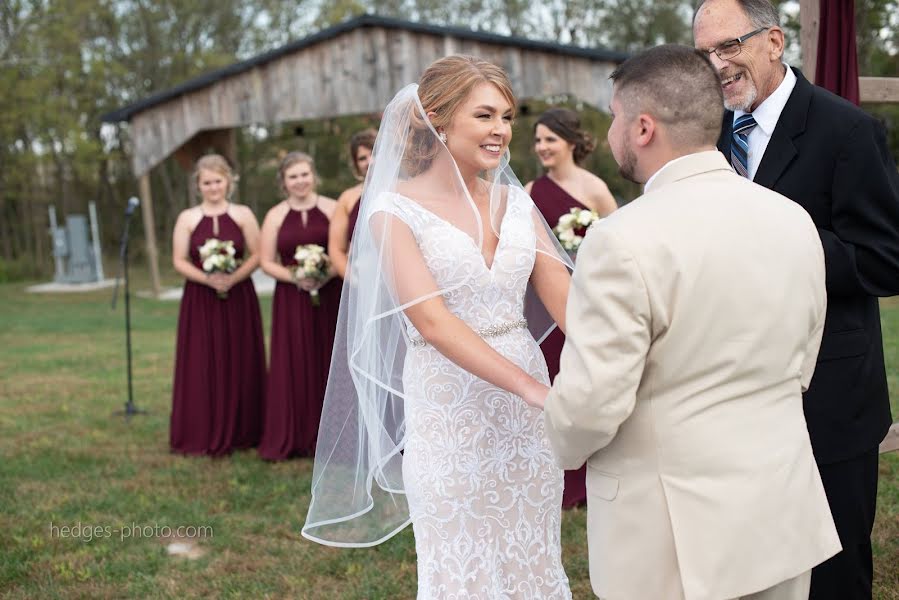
[{"x": 679, "y": 87}]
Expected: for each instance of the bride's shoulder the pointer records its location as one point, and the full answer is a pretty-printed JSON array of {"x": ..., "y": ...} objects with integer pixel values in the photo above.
[
  {"x": 406, "y": 196},
  {"x": 516, "y": 196},
  {"x": 410, "y": 191},
  {"x": 389, "y": 201},
  {"x": 397, "y": 205}
]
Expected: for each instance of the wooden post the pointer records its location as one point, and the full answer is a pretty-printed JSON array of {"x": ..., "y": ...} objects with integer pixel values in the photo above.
[
  {"x": 809, "y": 24},
  {"x": 146, "y": 205}
]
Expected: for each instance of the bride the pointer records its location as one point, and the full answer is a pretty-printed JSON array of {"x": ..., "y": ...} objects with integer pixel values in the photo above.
[{"x": 454, "y": 279}]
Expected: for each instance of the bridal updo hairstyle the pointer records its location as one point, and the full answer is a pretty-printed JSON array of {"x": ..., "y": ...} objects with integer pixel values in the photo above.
[
  {"x": 442, "y": 88},
  {"x": 217, "y": 164},
  {"x": 566, "y": 124}
]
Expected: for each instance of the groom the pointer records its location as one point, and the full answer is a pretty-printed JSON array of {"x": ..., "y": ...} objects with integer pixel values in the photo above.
[{"x": 699, "y": 310}]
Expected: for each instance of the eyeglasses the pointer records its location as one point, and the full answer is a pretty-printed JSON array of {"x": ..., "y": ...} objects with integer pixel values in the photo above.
[{"x": 731, "y": 48}]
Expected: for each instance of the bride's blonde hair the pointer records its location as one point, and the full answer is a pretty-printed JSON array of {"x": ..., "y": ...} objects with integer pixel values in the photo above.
[{"x": 444, "y": 85}]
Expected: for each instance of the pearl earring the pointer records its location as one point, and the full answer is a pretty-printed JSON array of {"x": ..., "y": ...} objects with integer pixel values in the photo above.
[{"x": 442, "y": 137}]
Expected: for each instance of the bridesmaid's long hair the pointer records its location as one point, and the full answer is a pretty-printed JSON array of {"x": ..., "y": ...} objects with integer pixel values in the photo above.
[
  {"x": 361, "y": 139},
  {"x": 566, "y": 124}
]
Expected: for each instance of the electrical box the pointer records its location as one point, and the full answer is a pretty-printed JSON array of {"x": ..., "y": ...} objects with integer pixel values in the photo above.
[{"x": 74, "y": 252}]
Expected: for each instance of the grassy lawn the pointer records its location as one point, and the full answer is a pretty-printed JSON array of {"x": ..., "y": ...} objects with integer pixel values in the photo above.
[{"x": 66, "y": 460}]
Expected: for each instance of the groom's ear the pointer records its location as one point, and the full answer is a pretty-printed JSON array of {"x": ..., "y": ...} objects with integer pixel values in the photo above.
[{"x": 645, "y": 127}]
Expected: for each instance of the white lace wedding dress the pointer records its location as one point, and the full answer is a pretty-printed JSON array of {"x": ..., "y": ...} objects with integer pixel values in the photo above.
[{"x": 484, "y": 493}]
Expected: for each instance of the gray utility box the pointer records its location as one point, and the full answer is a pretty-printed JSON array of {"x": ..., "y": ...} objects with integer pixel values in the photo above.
[{"x": 74, "y": 251}]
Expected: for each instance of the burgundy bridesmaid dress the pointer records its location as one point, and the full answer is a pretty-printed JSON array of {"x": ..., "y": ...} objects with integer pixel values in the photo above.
[
  {"x": 553, "y": 202},
  {"x": 353, "y": 217},
  {"x": 301, "y": 343},
  {"x": 219, "y": 359}
]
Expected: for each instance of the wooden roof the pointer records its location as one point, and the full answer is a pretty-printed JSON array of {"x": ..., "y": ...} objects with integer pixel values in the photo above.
[{"x": 352, "y": 68}]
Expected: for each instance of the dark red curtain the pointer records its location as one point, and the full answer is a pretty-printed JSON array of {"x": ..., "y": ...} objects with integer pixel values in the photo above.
[{"x": 837, "y": 67}]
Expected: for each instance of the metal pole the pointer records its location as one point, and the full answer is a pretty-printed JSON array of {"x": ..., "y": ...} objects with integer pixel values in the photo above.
[
  {"x": 57, "y": 257},
  {"x": 129, "y": 405},
  {"x": 95, "y": 234},
  {"x": 130, "y": 409}
]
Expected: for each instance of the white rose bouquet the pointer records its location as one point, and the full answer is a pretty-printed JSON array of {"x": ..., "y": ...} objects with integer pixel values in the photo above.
[
  {"x": 218, "y": 256},
  {"x": 312, "y": 263},
  {"x": 572, "y": 227}
]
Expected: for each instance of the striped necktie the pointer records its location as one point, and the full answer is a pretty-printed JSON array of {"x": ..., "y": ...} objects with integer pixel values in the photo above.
[{"x": 739, "y": 148}]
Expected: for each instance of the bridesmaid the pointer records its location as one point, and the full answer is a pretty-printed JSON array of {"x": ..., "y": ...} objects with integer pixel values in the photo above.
[
  {"x": 220, "y": 354},
  {"x": 344, "y": 220},
  {"x": 562, "y": 145},
  {"x": 302, "y": 334}
]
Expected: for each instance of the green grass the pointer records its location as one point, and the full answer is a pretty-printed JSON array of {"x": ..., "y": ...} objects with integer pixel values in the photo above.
[
  {"x": 886, "y": 526},
  {"x": 66, "y": 459}
]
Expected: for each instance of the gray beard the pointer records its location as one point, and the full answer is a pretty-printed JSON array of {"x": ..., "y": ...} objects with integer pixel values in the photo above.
[{"x": 751, "y": 94}]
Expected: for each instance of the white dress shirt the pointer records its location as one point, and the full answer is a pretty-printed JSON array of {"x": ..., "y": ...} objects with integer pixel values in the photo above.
[{"x": 766, "y": 115}]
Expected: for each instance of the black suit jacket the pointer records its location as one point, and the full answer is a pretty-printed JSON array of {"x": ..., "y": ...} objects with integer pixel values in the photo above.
[{"x": 832, "y": 158}]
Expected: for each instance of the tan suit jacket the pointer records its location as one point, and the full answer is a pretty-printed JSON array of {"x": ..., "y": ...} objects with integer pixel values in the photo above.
[{"x": 694, "y": 320}]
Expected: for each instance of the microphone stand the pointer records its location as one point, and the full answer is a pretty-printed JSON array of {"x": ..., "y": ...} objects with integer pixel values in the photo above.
[{"x": 130, "y": 410}]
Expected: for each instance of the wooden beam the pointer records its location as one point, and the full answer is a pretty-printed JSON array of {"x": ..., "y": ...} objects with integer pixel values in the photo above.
[
  {"x": 878, "y": 89},
  {"x": 146, "y": 205},
  {"x": 809, "y": 23}
]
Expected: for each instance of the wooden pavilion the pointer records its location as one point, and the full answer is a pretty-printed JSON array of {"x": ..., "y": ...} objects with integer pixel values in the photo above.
[
  {"x": 355, "y": 68},
  {"x": 352, "y": 68}
]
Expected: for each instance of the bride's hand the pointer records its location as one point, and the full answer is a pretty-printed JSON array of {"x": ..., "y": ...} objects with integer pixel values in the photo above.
[{"x": 535, "y": 394}]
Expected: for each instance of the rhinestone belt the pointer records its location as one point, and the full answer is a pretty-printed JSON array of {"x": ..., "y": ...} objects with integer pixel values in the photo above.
[{"x": 490, "y": 331}]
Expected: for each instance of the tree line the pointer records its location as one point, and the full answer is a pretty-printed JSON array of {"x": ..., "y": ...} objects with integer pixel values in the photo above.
[{"x": 65, "y": 63}]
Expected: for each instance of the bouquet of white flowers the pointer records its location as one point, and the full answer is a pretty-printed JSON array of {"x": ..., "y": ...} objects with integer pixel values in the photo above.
[
  {"x": 218, "y": 256},
  {"x": 313, "y": 263},
  {"x": 572, "y": 227}
]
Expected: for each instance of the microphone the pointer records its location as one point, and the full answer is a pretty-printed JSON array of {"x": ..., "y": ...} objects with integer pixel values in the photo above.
[{"x": 133, "y": 203}]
